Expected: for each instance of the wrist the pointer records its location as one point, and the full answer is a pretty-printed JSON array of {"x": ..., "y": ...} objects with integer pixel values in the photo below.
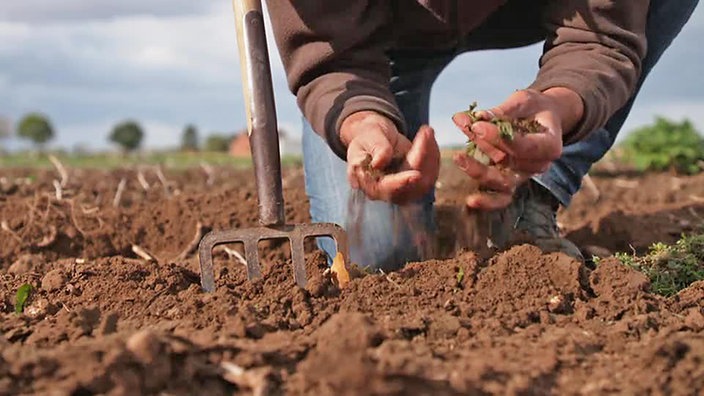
[
  {"x": 569, "y": 106},
  {"x": 359, "y": 122}
]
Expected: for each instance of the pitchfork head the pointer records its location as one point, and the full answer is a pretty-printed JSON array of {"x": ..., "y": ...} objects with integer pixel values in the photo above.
[{"x": 250, "y": 237}]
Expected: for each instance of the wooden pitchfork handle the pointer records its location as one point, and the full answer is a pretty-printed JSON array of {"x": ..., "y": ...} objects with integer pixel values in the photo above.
[{"x": 262, "y": 127}]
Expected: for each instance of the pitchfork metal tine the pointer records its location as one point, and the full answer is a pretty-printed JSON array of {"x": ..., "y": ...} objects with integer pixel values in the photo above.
[
  {"x": 251, "y": 254},
  {"x": 263, "y": 134},
  {"x": 298, "y": 259},
  {"x": 251, "y": 237}
]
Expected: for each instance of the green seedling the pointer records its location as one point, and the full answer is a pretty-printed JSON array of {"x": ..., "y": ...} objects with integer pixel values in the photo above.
[
  {"x": 508, "y": 129},
  {"x": 460, "y": 276},
  {"x": 21, "y": 297},
  {"x": 670, "y": 268}
]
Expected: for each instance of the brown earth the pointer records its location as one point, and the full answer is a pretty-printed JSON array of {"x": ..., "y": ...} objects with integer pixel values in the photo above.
[{"x": 102, "y": 320}]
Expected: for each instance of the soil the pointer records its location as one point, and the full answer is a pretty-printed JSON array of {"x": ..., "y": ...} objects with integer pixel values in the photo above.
[{"x": 101, "y": 319}]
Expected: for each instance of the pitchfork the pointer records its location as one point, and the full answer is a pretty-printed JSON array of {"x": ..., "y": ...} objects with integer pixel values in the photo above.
[{"x": 264, "y": 142}]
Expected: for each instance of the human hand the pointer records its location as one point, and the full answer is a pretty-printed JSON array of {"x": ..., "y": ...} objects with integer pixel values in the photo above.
[
  {"x": 384, "y": 163},
  {"x": 555, "y": 110}
]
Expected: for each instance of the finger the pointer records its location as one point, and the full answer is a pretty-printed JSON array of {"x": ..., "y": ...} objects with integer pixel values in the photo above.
[
  {"x": 462, "y": 119},
  {"x": 489, "y": 135},
  {"x": 389, "y": 185},
  {"x": 425, "y": 153},
  {"x": 382, "y": 153},
  {"x": 464, "y": 123},
  {"x": 487, "y": 176},
  {"x": 496, "y": 151},
  {"x": 489, "y": 201}
]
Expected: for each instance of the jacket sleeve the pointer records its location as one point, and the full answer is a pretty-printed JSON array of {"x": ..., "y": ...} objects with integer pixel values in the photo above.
[
  {"x": 595, "y": 48},
  {"x": 334, "y": 54}
]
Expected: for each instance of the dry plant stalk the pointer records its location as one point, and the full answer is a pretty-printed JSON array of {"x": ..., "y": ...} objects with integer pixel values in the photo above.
[
  {"x": 237, "y": 255},
  {"x": 139, "y": 251},
  {"x": 59, "y": 168},
  {"x": 342, "y": 275},
  {"x": 193, "y": 245},
  {"x": 142, "y": 180},
  {"x": 209, "y": 172},
  {"x": 255, "y": 379},
  {"x": 6, "y": 227},
  {"x": 162, "y": 180},
  {"x": 58, "y": 192},
  {"x": 49, "y": 238},
  {"x": 118, "y": 193}
]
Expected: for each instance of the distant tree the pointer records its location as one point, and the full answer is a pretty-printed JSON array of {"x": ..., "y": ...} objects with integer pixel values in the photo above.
[
  {"x": 128, "y": 135},
  {"x": 189, "y": 139},
  {"x": 37, "y": 128},
  {"x": 665, "y": 145},
  {"x": 218, "y": 142}
]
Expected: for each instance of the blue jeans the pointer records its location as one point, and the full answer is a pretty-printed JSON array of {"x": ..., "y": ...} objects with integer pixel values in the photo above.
[{"x": 386, "y": 240}]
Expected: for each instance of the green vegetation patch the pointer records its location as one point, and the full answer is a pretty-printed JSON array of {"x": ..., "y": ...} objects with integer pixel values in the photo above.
[
  {"x": 670, "y": 268},
  {"x": 665, "y": 145}
]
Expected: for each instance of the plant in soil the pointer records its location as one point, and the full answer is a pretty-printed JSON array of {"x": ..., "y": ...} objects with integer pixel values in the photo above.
[
  {"x": 665, "y": 145},
  {"x": 670, "y": 268},
  {"x": 21, "y": 297}
]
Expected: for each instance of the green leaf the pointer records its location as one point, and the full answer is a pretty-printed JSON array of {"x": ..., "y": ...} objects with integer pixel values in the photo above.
[
  {"x": 460, "y": 276},
  {"x": 21, "y": 297}
]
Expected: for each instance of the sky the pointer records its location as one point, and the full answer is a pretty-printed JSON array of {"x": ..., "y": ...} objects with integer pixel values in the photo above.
[{"x": 89, "y": 64}]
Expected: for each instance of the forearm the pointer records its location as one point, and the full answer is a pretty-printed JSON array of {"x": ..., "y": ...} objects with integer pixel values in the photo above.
[
  {"x": 333, "y": 70},
  {"x": 594, "y": 48}
]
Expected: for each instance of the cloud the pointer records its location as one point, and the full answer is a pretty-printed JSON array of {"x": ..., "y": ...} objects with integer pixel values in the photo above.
[
  {"x": 176, "y": 69},
  {"x": 38, "y": 11}
]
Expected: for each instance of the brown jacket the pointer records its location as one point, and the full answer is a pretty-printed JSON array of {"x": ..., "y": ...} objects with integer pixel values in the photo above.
[{"x": 335, "y": 52}]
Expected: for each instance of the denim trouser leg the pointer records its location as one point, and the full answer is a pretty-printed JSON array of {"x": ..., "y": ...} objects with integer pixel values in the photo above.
[
  {"x": 386, "y": 240},
  {"x": 564, "y": 178}
]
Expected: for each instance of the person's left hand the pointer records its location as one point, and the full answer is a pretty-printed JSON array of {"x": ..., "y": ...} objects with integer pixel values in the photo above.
[{"x": 556, "y": 109}]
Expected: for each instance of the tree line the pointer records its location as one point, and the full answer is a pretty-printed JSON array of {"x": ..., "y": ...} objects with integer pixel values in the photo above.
[{"x": 128, "y": 134}]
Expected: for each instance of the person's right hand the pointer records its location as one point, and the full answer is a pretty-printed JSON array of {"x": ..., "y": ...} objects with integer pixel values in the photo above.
[{"x": 408, "y": 170}]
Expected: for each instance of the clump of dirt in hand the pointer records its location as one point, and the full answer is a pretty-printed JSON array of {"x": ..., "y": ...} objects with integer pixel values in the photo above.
[
  {"x": 508, "y": 130},
  {"x": 474, "y": 227}
]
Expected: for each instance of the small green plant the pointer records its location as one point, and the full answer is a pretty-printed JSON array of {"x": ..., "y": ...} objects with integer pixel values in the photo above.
[
  {"x": 670, "y": 268},
  {"x": 21, "y": 297},
  {"x": 507, "y": 131},
  {"x": 665, "y": 145},
  {"x": 460, "y": 277}
]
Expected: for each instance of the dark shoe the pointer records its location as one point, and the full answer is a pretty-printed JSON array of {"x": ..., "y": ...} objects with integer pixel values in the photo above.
[{"x": 531, "y": 218}]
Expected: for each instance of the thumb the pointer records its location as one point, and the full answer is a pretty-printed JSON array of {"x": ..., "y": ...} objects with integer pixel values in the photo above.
[{"x": 424, "y": 149}]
